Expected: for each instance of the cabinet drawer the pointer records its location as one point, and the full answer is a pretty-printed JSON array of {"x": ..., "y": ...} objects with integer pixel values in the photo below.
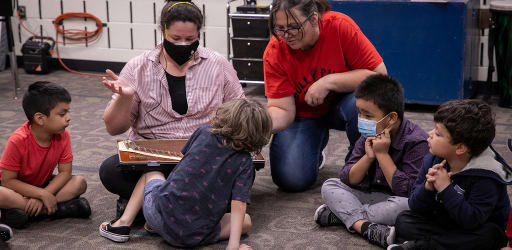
[
  {"x": 250, "y": 27},
  {"x": 248, "y": 69},
  {"x": 249, "y": 47}
]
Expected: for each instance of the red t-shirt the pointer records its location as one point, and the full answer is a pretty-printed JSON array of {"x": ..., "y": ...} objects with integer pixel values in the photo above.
[
  {"x": 341, "y": 47},
  {"x": 35, "y": 164}
]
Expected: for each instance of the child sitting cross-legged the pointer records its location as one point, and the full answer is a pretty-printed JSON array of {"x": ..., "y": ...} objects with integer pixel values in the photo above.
[
  {"x": 377, "y": 179},
  {"x": 459, "y": 200},
  {"x": 28, "y": 186},
  {"x": 189, "y": 207}
]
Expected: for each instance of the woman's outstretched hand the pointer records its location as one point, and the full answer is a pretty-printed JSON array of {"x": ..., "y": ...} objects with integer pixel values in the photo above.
[{"x": 117, "y": 86}]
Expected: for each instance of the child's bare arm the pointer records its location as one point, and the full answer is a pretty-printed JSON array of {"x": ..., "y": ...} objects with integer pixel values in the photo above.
[
  {"x": 60, "y": 179},
  {"x": 237, "y": 219},
  {"x": 10, "y": 181}
]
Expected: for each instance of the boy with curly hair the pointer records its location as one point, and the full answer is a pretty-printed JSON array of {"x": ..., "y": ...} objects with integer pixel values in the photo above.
[{"x": 459, "y": 200}]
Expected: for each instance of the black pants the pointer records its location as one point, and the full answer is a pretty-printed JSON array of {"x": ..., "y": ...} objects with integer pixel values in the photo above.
[
  {"x": 117, "y": 181},
  {"x": 439, "y": 233}
]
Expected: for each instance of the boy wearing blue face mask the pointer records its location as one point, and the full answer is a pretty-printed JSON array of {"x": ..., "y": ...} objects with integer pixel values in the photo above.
[{"x": 377, "y": 178}]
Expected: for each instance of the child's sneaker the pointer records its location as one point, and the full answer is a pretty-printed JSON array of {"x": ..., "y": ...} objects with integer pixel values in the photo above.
[
  {"x": 5, "y": 232},
  {"x": 325, "y": 217},
  {"x": 381, "y": 235},
  {"x": 75, "y": 208},
  {"x": 407, "y": 245},
  {"x": 117, "y": 234},
  {"x": 14, "y": 217}
]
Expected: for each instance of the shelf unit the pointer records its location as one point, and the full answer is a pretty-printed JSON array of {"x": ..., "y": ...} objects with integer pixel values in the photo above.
[{"x": 249, "y": 40}]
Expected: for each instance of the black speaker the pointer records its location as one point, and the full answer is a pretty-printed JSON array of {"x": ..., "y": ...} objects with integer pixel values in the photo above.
[{"x": 6, "y": 8}]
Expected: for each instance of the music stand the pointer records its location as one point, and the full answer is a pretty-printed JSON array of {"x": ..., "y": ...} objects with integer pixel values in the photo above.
[{"x": 6, "y": 13}]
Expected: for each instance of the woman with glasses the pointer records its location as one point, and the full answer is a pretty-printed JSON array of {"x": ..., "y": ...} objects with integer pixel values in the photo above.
[{"x": 312, "y": 64}]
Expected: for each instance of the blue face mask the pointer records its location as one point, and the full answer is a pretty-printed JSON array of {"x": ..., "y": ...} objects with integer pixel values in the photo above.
[{"x": 367, "y": 127}]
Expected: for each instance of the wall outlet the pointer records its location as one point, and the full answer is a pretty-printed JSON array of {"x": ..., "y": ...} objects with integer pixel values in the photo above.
[{"x": 22, "y": 11}]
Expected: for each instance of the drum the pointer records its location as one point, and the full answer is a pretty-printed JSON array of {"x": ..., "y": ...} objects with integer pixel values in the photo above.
[{"x": 501, "y": 36}]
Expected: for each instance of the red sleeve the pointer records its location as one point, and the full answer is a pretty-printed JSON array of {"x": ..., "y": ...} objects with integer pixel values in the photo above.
[
  {"x": 12, "y": 156},
  {"x": 358, "y": 50},
  {"x": 67, "y": 155},
  {"x": 509, "y": 229},
  {"x": 277, "y": 84}
]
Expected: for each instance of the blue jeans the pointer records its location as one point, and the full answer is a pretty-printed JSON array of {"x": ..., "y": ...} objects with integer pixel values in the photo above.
[{"x": 295, "y": 153}]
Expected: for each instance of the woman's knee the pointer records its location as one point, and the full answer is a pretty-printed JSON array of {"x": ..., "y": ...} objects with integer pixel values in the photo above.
[{"x": 294, "y": 183}]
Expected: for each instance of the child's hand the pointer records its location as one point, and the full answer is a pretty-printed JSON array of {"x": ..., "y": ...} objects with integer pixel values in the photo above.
[
  {"x": 431, "y": 175},
  {"x": 368, "y": 147},
  {"x": 116, "y": 86},
  {"x": 442, "y": 179},
  {"x": 49, "y": 201},
  {"x": 245, "y": 247},
  {"x": 382, "y": 142},
  {"x": 240, "y": 247},
  {"x": 33, "y": 207}
]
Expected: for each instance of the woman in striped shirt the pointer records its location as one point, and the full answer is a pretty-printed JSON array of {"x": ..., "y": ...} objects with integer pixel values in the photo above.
[{"x": 166, "y": 93}]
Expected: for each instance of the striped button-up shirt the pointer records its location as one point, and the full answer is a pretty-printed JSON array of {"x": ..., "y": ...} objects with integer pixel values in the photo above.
[{"x": 210, "y": 81}]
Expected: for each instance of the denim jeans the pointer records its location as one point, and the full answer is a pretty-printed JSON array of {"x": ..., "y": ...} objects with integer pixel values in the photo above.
[{"x": 295, "y": 153}]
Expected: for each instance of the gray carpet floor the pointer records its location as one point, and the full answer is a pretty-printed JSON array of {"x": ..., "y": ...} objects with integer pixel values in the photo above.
[{"x": 280, "y": 220}]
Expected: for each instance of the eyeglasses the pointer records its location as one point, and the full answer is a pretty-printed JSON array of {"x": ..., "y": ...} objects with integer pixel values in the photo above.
[{"x": 292, "y": 31}]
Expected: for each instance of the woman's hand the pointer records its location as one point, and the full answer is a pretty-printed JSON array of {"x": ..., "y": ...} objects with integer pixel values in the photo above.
[
  {"x": 116, "y": 86},
  {"x": 317, "y": 92}
]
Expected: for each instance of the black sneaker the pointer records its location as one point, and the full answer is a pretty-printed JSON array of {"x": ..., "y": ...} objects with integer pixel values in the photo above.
[
  {"x": 5, "y": 232},
  {"x": 75, "y": 208},
  {"x": 325, "y": 217},
  {"x": 117, "y": 234},
  {"x": 407, "y": 245},
  {"x": 380, "y": 235},
  {"x": 14, "y": 217}
]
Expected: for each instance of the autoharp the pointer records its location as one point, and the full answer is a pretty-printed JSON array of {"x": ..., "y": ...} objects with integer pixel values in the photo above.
[{"x": 147, "y": 155}]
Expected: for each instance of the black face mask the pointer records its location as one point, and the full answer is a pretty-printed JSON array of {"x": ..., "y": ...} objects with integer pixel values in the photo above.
[{"x": 180, "y": 53}]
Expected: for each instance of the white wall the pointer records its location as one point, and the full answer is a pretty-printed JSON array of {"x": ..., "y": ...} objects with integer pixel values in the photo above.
[{"x": 119, "y": 26}]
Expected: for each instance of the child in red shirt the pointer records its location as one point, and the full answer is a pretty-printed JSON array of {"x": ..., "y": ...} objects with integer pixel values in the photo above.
[{"x": 32, "y": 153}]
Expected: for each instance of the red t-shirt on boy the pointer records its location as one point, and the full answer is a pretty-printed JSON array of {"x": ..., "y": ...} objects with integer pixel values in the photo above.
[
  {"x": 35, "y": 164},
  {"x": 341, "y": 47}
]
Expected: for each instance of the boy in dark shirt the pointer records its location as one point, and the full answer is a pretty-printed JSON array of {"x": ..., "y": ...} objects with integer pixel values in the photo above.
[
  {"x": 459, "y": 200},
  {"x": 376, "y": 180}
]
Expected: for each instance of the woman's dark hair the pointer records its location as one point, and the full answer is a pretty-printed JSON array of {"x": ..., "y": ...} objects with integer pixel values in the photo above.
[
  {"x": 42, "y": 97},
  {"x": 180, "y": 11},
  {"x": 306, "y": 8}
]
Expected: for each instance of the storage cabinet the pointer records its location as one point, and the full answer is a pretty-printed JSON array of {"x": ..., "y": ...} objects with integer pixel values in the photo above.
[{"x": 249, "y": 40}]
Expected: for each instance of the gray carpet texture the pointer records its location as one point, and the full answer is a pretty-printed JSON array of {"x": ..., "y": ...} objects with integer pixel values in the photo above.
[{"x": 280, "y": 220}]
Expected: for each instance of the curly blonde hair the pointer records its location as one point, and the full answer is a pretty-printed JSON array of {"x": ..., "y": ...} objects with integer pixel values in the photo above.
[{"x": 244, "y": 125}]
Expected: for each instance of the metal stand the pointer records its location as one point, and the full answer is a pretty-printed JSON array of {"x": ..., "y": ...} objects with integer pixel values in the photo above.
[{"x": 12, "y": 56}]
